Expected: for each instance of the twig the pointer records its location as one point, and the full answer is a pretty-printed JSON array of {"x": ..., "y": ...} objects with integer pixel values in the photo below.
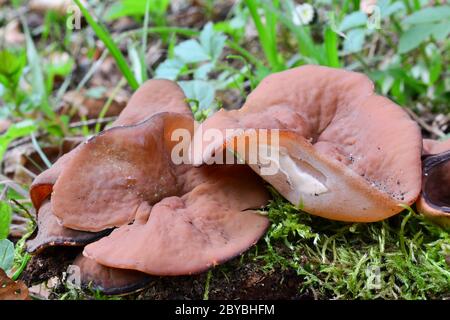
[
  {"x": 91, "y": 122},
  {"x": 11, "y": 184},
  {"x": 425, "y": 125}
]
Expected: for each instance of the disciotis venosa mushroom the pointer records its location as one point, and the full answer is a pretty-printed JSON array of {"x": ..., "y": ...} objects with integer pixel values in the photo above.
[
  {"x": 169, "y": 219},
  {"x": 344, "y": 154}
]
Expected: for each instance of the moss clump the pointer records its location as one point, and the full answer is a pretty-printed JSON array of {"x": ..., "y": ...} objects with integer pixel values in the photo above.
[{"x": 403, "y": 257}]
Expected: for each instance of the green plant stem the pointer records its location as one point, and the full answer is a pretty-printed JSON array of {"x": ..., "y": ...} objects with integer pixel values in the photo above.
[{"x": 104, "y": 35}]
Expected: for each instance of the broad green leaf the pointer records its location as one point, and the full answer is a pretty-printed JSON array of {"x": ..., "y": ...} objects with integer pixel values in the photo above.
[
  {"x": 6, "y": 254},
  {"x": 202, "y": 91},
  {"x": 169, "y": 69},
  {"x": 353, "y": 20},
  {"x": 387, "y": 8},
  {"x": 414, "y": 36},
  {"x": 190, "y": 51},
  {"x": 354, "y": 40},
  {"x": 213, "y": 42},
  {"x": 15, "y": 131},
  {"x": 201, "y": 73},
  {"x": 427, "y": 15},
  {"x": 5, "y": 219},
  {"x": 11, "y": 66},
  {"x": 441, "y": 30}
]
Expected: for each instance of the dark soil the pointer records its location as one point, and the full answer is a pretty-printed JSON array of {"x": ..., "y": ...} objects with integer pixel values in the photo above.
[{"x": 235, "y": 280}]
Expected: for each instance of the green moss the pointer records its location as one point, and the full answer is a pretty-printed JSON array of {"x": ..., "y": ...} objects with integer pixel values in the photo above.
[{"x": 403, "y": 257}]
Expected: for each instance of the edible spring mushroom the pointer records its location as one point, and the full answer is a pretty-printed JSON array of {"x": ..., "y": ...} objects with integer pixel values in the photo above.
[
  {"x": 343, "y": 152},
  {"x": 124, "y": 177},
  {"x": 434, "y": 201}
]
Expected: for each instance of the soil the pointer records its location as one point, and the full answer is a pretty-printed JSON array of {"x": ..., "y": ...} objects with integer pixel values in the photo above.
[{"x": 235, "y": 280}]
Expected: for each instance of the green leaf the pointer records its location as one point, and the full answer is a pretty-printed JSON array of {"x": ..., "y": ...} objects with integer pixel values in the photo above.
[
  {"x": 169, "y": 69},
  {"x": 125, "y": 8},
  {"x": 39, "y": 90},
  {"x": 440, "y": 31},
  {"x": 414, "y": 36},
  {"x": 190, "y": 51},
  {"x": 354, "y": 40},
  {"x": 331, "y": 47},
  {"x": 387, "y": 8},
  {"x": 106, "y": 38},
  {"x": 6, "y": 254},
  {"x": 5, "y": 219},
  {"x": 202, "y": 91},
  {"x": 212, "y": 42},
  {"x": 11, "y": 66},
  {"x": 353, "y": 20},
  {"x": 201, "y": 73},
  {"x": 15, "y": 131},
  {"x": 427, "y": 15}
]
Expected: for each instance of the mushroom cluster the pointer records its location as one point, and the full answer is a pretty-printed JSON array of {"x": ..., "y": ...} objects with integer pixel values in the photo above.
[{"x": 345, "y": 153}]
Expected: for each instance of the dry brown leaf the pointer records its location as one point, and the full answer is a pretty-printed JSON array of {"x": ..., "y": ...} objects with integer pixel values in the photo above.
[
  {"x": 12, "y": 290},
  {"x": 42, "y": 6},
  {"x": 90, "y": 107},
  {"x": 12, "y": 34}
]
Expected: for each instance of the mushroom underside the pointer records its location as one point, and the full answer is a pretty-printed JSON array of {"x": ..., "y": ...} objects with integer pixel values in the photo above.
[{"x": 434, "y": 201}]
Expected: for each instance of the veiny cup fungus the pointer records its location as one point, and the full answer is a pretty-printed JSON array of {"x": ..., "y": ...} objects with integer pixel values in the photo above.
[
  {"x": 434, "y": 201},
  {"x": 344, "y": 152},
  {"x": 171, "y": 219},
  {"x": 336, "y": 149}
]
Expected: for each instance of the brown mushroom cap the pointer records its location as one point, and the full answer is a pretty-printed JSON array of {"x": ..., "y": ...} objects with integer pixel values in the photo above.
[
  {"x": 117, "y": 176},
  {"x": 434, "y": 201},
  {"x": 153, "y": 97},
  {"x": 113, "y": 173},
  {"x": 208, "y": 225},
  {"x": 109, "y": 281},
  {"x": 361, "y": 148},
  {"x": 51, "y": 233}
]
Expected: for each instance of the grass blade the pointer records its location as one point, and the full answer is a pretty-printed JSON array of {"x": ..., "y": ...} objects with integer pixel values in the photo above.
[
  {"x": 104, "y": 36},
  {"x": 331, "y": 48}
]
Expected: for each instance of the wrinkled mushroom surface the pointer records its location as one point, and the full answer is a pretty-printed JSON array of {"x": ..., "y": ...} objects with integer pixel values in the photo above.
[
  {"x": 125, "y": 177},
  {"x": 434, "y": 201},
  {"x": 153, "y": 97},
  {"x": 345, "y": 153},
  {"x": 187, "y": 234}
]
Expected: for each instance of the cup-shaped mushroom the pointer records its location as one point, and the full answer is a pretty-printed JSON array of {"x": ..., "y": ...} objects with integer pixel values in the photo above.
[
  {"x": 343, "y": 152},
  {"x": 434, "y": 201},
  {"x": 114, "y": 172},
  {"x": 154, "y": 96}
]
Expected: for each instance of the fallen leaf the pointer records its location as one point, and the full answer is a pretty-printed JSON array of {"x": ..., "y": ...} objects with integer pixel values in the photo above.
[
  {"x": 89, "y": 103},
  {"x": 12, "y": 290},
  {"x": 12, "y": 34}
]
